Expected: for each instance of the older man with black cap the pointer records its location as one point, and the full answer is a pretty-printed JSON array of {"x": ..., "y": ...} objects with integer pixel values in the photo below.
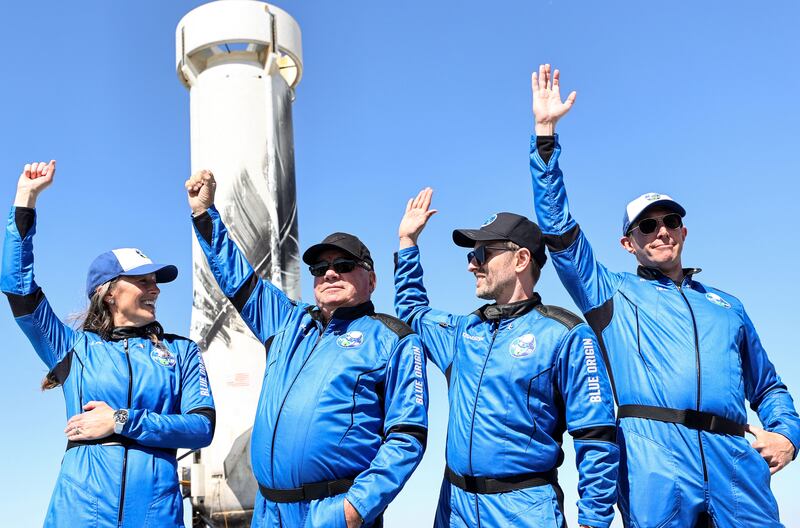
[
  {"x": 519, "y": 373},
  {"x": 342, "y": 419},
  {"x": 685, "y": 357}
]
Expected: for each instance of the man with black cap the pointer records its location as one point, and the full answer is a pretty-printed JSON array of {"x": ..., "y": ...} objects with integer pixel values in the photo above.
[
  {"x": 519, "y": 374},
  {"x": 685, "y": 357},
  {"x": 342, "y": 419}
]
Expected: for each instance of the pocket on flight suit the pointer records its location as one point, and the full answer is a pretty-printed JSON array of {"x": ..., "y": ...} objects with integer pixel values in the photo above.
[
  {"x": 326, "y": 513},
  {"x": 750, "y": 486},
  {"x": 71, "y": 505},
  {"x": 648, "y": 481},
  {"x": 532, "y": 508}
]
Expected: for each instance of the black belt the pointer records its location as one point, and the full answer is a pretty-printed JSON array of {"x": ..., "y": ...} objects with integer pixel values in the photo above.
[
  {"x": 487, "y": 485},
  {"x": 700, "y": 420},
  {"x": 307, "y": 492},
  {"x": 116, "y": 439}
]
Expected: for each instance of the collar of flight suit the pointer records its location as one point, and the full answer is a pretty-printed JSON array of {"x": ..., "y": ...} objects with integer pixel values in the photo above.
[
  {"x": 497, "y": 312},
  {"x": 348, "y": 313},
  {"x": 650, "y": 273},
  {"x": 125, "y": 332}
]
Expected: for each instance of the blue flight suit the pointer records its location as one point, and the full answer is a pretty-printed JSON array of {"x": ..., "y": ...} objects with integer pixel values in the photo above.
[
  {"x": 519, "y": 375},
  {"x": 133, "y": 483},
  {"x": 342, "y": 402},
  {"x": 684, "y": 349}
]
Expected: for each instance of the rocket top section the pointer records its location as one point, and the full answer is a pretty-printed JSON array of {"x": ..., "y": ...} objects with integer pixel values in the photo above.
[{"x": 241, "y": 29}]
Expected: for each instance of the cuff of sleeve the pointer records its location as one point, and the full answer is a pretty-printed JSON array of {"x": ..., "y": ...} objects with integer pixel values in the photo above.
[
  {"x": 359, "y": 507},
  {"x": 24, "y": 218},
  {"x": 134, "y": 415},
  {"x": 409, "y": 251},
  {"x": 204, "y": 225},
  {"x": 594, "y": 523}
]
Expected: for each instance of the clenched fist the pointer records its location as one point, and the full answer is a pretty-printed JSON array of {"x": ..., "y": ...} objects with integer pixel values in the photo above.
[
  {"x": 201, "y": 188},
  {"x": 35, "y": 178}
]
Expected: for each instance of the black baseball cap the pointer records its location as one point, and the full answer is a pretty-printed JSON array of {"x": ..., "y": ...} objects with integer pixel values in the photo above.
[
  {"x": 505, "y": 226},
  {"x": 346, "y": 242}
]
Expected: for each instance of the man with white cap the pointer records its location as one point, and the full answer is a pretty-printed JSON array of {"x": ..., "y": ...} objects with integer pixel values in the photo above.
[{"x": 683, "y": 357}]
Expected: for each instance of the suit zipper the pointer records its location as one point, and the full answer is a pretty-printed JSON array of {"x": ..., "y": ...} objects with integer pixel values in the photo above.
[
  {"x": 277, "y": 419},
  {"x": 125, "y": 453},
  {"x": 475, "y": 408},
  {"x": 699, "y": 384}
]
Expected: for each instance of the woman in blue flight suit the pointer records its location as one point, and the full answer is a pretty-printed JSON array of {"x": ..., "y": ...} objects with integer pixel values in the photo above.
[{"x": 133, "y": 393}]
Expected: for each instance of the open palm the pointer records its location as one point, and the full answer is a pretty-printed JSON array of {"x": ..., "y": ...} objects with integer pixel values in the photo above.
[
  {"x": 547, "y": 104},
  {"x": 418, "y": 212}
]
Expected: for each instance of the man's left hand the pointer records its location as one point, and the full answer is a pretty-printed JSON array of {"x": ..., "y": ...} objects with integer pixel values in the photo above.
[
  {"x": 351, "y": 515},
  {"x": 775, "y": 448}
]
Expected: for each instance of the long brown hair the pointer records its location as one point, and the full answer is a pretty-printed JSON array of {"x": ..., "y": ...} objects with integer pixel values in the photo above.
[{"x": 96, "y": 318}]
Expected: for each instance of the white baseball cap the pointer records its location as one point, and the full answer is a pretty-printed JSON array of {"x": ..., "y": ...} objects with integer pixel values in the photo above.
[{"x": 637, "y": 207}]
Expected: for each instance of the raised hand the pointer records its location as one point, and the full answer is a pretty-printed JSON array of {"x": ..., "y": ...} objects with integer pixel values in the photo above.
[
  {"x": 547, "y": 105},
  {"x": 418, "y": 212},
  {"x": 774, "y": 448},
  {"x": 35, "y": 178},
  {"x": 201, "y": 188}
]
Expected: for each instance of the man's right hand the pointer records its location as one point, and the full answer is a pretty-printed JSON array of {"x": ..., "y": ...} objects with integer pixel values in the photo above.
[
  {"x": 35, "y": 178},
  {"x": 201, "y": 188},
  {"x": 417, "y": 214},
  {"x": 547, "y": 105}
]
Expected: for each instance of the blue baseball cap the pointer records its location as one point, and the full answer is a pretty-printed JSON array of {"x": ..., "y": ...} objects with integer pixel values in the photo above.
[
  {"x": 636, "y": 208},
  {"x": 125, "y": 262}
]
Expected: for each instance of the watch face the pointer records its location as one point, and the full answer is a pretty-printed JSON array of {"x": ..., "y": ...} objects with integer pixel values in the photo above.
[{"x": 121, "y": 416}]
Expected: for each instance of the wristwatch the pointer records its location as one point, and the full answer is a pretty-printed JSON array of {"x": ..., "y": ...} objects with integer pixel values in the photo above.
[{"x": 120, "y": 419}]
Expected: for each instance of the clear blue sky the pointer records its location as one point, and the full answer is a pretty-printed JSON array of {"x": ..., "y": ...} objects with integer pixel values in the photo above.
[{"x": 698, "y": 100}]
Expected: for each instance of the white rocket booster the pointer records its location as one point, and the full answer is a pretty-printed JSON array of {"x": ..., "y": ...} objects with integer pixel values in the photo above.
[{"x": 240, "y": 60}]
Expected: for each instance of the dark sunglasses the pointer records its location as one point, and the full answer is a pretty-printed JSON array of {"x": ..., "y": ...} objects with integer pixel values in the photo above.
[
  {"x": 649, "y": 225},
  {"x": 339, "y": 265},
  {"x": 480, "y": 256}
]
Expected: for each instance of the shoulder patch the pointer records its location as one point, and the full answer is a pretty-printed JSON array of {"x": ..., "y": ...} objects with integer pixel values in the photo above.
[
  {"x": 394, "y": 324},
  {"x": 565, "y": 317}
]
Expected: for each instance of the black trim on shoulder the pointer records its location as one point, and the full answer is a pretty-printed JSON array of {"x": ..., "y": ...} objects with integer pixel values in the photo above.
[
  {"x": 174, "y": 337},
  {"x": 599, "y": 318},
  {"x": 22, "y": 305},
  {"x": 495, "y": 312},
  {"x": 24, "y": 218},
  {"x": 209, "y": 413},
  {"x": 241, "y": 296},
  {"x": 545, "y": 145},
  {"x": 267, "y": 345},
  {"x": 205, "y": 226},
  {"x": 417, "y": 431},
  {"x": 394, "y": 324},
  {"x": 604, "y": 433},
  {"x": 60, "y": 372},
  {"x": 563, "y": 316},
  {"x": 556, "y": 243}
]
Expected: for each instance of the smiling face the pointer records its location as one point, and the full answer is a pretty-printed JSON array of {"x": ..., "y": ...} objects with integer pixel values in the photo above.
[
  {"x": 497, "y": 276},
  {"x": 661, "y": 249},
  {"x": 132, "y": 300},
  {"x": 334, "y": 290}
]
